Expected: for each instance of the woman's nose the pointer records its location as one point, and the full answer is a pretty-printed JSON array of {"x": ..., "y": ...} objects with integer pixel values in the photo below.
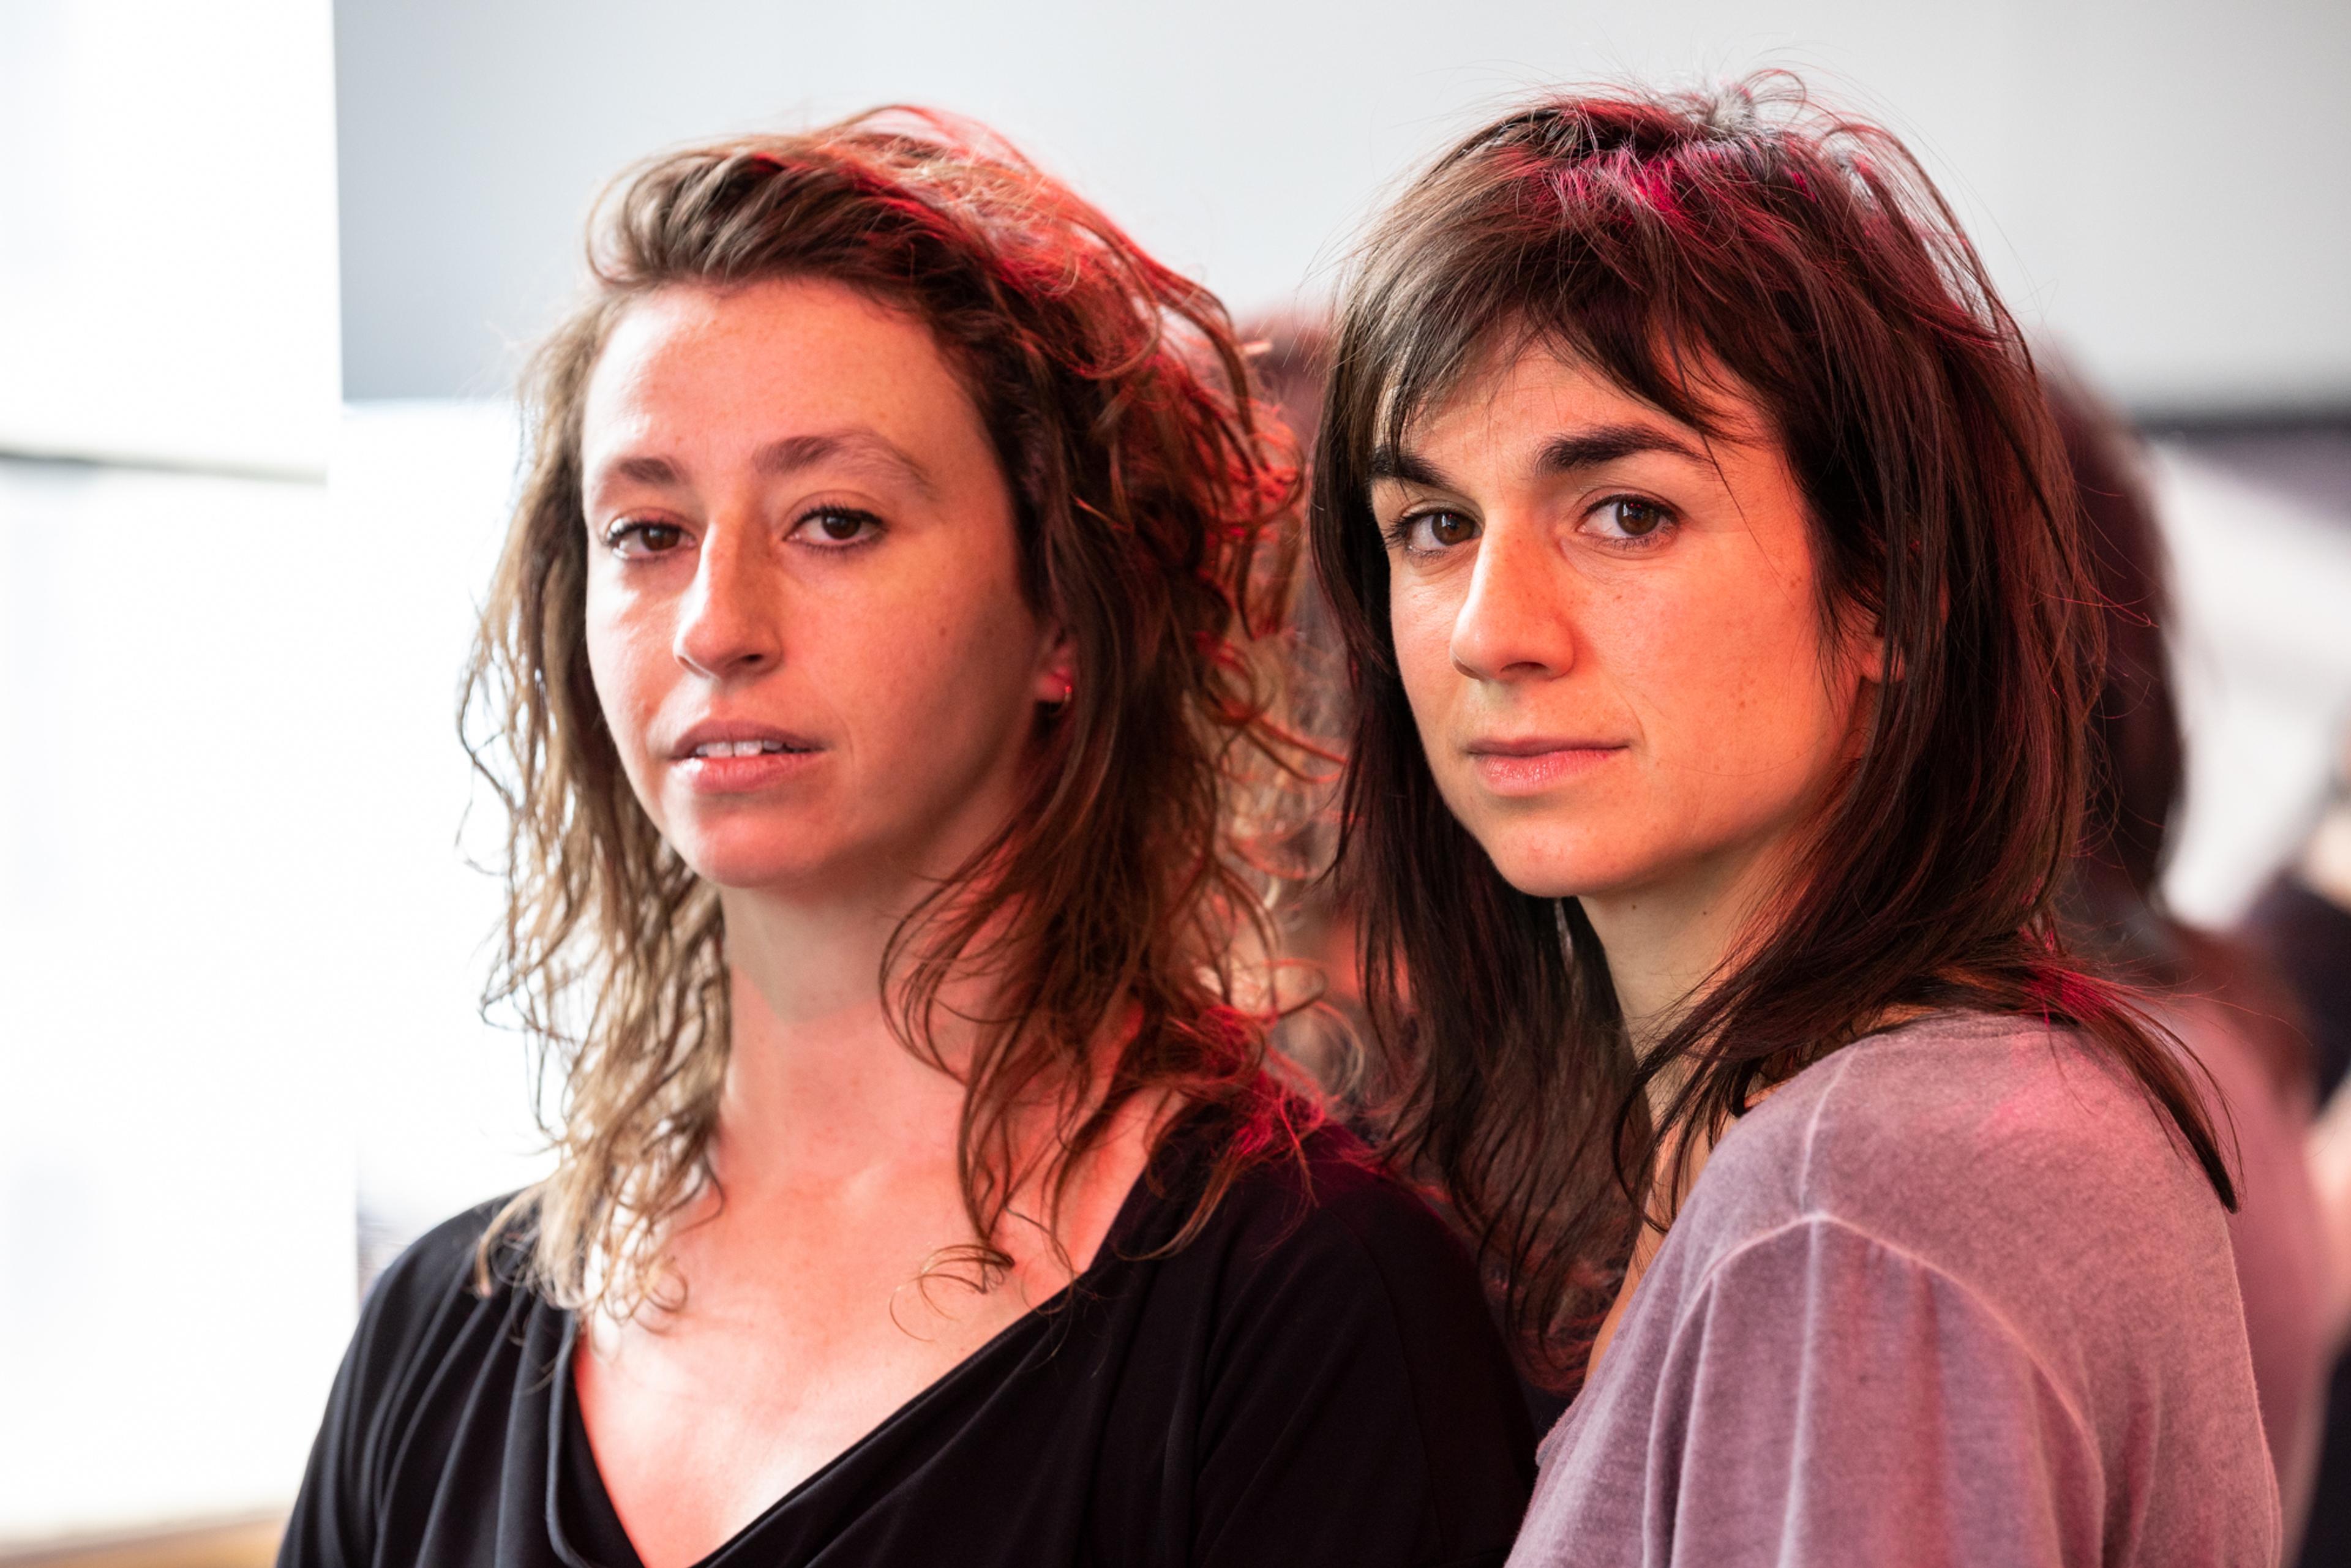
[
  {"x": 727, "y": 623},
  {"x": 1513, "y": 623}
]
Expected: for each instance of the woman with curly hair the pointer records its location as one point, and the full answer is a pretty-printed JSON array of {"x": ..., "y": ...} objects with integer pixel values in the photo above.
[
  {"x": 1727, "y": 646},
  {"x": 879, "y": 699}
]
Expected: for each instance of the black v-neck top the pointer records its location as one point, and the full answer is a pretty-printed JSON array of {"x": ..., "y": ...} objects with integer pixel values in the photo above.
[{"x": 1313, "y": 1379}]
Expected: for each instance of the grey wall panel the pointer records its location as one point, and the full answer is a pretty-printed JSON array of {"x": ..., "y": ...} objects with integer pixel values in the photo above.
[{"x": 2159, "y": 183}]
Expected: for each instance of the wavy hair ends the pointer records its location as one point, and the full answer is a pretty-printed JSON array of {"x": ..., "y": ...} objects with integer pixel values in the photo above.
[
  {"x": 1155, "y": 514},
  {"x": 1684, "y": 245}
]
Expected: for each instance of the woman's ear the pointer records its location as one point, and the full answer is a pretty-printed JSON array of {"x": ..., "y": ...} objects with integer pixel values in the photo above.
[
  {"x": 1869, "y": 653},
  {"x": 1862, "y": 660},
  {"x": 1056, "y": 669},
  {"x": 1865, "y": 647}
]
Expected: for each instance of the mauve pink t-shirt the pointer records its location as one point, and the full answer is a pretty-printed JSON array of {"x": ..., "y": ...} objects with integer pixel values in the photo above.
[{"x": 1952, "y": 1295}]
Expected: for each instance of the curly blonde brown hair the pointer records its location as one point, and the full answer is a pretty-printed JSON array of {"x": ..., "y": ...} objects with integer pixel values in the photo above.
[{"x": 1155, "y": 511}]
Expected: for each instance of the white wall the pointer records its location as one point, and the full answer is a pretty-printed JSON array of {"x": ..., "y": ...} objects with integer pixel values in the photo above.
[
  {"x": 2261, "y": 643},
  {"x": 167, "y": 231},
  {"x": 184, "y": 838},
  {"x": 2162, "y": 182},
  {"x": 240, "y": 945},
  {"x": 441, "y": 1100},
  {"x": 179, "y": 968}
]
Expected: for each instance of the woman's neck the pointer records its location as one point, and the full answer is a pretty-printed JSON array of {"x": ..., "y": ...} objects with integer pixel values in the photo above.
[
  {"x": 1664, "y": 942},
  {"x": 822, "y": 1088},
  {"x": 819, "y": 1083},
  {"x": 1665, "y": 945}
]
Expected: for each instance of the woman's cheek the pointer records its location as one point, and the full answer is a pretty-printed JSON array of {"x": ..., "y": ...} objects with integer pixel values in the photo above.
[
  {"x": 630, "y": 665},
  {"x": 1709, "y": 658},
  {"x": 1420, "y": 623}
]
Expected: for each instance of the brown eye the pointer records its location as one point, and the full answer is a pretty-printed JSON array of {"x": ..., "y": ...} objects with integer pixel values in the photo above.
[
  {"x": 1637, "y": 517},
  {"x": 1431, "y": 533},
  {"x": 1625, "y": 517},
  {"x": 645, "y": 539},
  {"x": 830, "y": 528},
  {"x": 1427, "y": 535}
]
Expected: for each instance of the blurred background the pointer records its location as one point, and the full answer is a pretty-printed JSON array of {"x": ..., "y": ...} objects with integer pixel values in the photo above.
[{"x": 267, "y": 269}]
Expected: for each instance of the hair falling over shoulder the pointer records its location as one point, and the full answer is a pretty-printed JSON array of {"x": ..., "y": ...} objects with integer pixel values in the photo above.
[
  {"x": 1658, "y": 237},
  {"x": 1155, "y": 514}
]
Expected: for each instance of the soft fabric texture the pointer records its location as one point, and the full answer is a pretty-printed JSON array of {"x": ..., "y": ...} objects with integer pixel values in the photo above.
[
  {"x": 1313, "y": 1379},
  {"x": 1956, "y": 1294}
]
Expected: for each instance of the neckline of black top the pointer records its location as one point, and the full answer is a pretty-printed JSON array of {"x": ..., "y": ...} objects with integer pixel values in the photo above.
[
  {"x": 584, "y": 1527},
  {"x": 1314, "y": 1378}
]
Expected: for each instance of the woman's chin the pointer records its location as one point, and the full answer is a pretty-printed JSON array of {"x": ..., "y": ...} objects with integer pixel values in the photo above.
[
  {"x": 1550, "y": 864},
  {"x": 762, "y": 868}
]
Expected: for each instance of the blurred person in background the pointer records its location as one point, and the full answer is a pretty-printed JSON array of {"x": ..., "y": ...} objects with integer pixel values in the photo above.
[
  {"x": 1728, "y": 646},
  {"x": 2302, "y": 922},
  {"x": 2215, "y": 996},
  {"x": 2301, "y": 927},
  {"x": 879, "y": 707},
  {"x": 1289, "y": 358}
]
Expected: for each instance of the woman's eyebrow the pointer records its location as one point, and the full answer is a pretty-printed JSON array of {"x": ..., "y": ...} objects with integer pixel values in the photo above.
[
  {"x": 654, "y": 472},
  {"x": 1587, "y": 448},
  {"x": 1396, "y": 463},
  {"x": 853, "y": 446},
  {"x": 1608, "y": 443}
]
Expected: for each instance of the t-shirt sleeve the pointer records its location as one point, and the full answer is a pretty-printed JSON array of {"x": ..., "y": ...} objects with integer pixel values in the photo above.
[
  {"x": 1363, "y": 1411},
  {"x": 1838, "y": 1401},
  {"x": 334, "y": 1524},
  {"x": 329, "y": 1527}
]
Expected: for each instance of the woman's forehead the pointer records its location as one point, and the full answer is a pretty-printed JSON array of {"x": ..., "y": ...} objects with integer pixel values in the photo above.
[{"x": 1694, "y": 392}]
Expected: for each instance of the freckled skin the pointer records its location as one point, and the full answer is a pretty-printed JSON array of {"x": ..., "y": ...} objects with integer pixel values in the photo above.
[
  {"x": 904, "y": 650},
  {"x": 1659, "y": 609},
  {"x": 910, "y": 656},
  {"x": 1660, "y": 602}
]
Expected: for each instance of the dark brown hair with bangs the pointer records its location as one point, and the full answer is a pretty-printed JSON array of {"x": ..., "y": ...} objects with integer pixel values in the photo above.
[
  {"x": 1659, "y": 238},
  {"x": 1155, "y": 514}
]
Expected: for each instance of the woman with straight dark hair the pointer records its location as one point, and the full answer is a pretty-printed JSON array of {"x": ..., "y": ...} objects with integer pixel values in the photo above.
[
  {"x": 1726, "y": 648},
  {"x": 876, "y": 688}
]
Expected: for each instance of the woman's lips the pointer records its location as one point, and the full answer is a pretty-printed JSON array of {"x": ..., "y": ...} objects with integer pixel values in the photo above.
[
  {"x": 1529, "y": 767},
  {"x": 738, "y": 755},
  {"x": 742, "y": 775}
]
